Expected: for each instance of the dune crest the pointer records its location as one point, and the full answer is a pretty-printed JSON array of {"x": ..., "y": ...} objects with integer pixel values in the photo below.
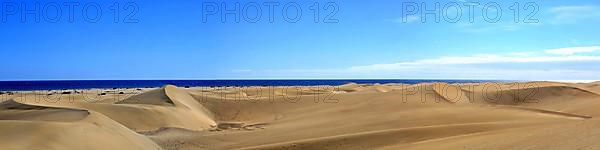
[
  {"x": 450, "y": 93},
  {"x": 349, "y": 87},
  {"x": 154, "y": 97},
  {"x": 165, "y": 107}
]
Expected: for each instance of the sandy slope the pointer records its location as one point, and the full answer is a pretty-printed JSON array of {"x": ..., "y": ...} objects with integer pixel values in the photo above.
[
  {"x": 25, "y": 126},
  {"x": 533, "y": 115}
]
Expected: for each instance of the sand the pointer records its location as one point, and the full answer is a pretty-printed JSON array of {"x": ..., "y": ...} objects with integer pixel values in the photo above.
[{"x": 531, "y": 115}]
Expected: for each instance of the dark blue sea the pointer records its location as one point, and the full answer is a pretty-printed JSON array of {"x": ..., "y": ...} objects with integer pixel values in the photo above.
[{"x": 88, "y": 84}]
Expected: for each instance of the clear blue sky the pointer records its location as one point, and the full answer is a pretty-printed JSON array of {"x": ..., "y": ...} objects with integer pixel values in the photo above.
[{"x": 169, "y": 40}]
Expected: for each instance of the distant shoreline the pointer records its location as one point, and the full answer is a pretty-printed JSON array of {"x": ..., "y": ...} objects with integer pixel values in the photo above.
[{"x": 108, "y": 84}]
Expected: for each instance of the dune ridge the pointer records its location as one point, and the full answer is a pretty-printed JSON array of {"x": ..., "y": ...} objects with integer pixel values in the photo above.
[{"x": 164, "y": 107}]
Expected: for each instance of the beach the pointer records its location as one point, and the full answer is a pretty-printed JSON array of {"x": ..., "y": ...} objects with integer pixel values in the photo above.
[{"x": 525, "y": 115}]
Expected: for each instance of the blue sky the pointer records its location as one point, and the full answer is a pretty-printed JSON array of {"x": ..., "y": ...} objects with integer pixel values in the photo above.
[{"x": 361, "y": 39}]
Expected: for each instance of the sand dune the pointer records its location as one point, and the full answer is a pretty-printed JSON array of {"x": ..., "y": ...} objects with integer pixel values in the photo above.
[
  {"x": 532, "y": 115},
  {"x": 12, "y": 110},
  {"x": 39, "y": 127},
  {"x": 155, "y": 97},
  {"x": 349, "y": 87},
  {"x": 165, "y": 107},
  {"x": 150, "y": 111}
]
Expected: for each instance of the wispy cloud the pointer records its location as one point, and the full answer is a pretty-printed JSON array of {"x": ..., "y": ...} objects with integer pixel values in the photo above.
[
  {"x": 476, "y": 59},
  {"x": 573, "y": 50},
  {"x": 407, "y": 19},
  {"x": 492, "y": 27},
  {"x": 513, "y": 57},
  {"x": 574, "y": 14},
  {"x": 540, "y": 64},
  {"x": 524, "y": 65}
]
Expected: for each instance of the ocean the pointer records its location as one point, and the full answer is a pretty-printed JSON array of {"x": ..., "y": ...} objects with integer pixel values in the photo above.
[{"x": 90, "y": 84}]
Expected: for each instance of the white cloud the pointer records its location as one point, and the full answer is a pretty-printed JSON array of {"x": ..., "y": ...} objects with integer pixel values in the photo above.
[
  {"x": 408, "y": 19},
  {"x": 528, "y": 65},
  {"x": 514, "y": 57},
  {"x": 491, "y": 27},
  {"x": 461, "y": 66},
  {"x": 572, "y": 10},
  {"x": 573, "y": 14},
  {"x": 573, "y": 50}
]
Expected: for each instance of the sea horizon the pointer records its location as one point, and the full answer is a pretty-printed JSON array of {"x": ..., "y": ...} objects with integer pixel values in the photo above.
[{"x": 28, "y": 85}]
